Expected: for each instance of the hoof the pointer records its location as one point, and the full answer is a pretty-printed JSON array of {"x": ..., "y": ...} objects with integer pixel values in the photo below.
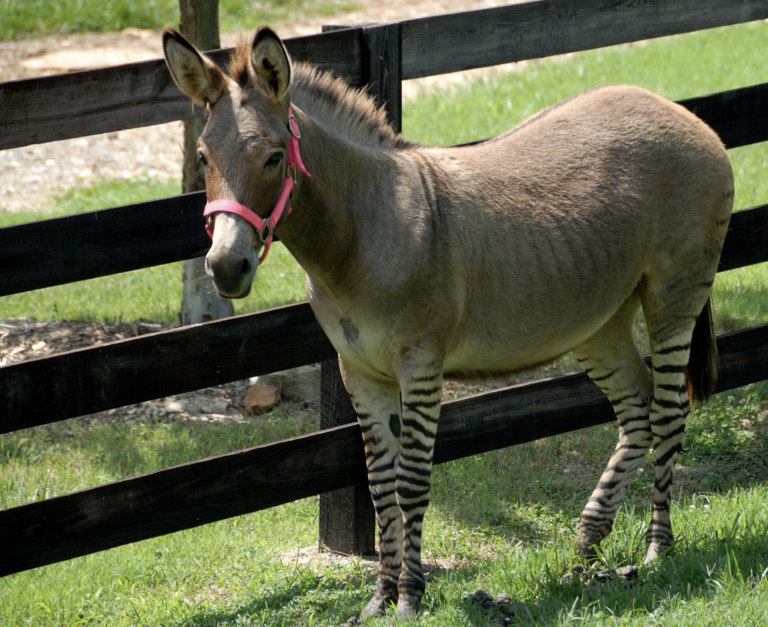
[
  {"x": 656, "y": 550},
  {"x": 376, "y": 607},
  {"x": 587, "y": 545},
  {"x": 380, "y": 602},
  {"x": 588, "y": 552},
  {"x": 407, "y": 608}
]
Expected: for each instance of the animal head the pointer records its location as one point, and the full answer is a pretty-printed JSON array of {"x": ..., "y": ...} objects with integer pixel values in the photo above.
[{"x": 244, "y": 149}]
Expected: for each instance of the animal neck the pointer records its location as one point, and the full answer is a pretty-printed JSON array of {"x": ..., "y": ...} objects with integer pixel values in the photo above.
[{"x": 322, "y": 231}]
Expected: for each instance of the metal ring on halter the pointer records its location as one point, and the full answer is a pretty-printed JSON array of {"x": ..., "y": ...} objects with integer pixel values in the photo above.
[
  {"x": 297, "y": 132},
  {"x": 270, "y": 233}
]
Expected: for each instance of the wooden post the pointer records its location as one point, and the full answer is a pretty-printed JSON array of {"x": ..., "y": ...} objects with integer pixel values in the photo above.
[
  {"x": 382, "y": 68},
  {"x": 347, "y": 517},
  {"x": 199, "y": 301}
]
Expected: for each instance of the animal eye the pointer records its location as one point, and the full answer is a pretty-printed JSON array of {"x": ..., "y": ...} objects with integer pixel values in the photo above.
[
  {"x": 202, "y": 159},
  {"x": 274, "y": 160}
]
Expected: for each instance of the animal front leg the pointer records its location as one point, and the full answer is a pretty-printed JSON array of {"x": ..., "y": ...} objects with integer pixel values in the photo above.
[
  {"x": 421, "y": 395},
  {"x": 378, "y": 413}
]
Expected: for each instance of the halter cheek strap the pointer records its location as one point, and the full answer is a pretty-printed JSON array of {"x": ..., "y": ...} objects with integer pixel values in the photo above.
[{"x": 265, "y": 228}]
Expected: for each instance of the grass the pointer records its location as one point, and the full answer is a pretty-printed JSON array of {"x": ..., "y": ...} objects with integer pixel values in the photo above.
[
  {"x": 503, "y": 521},
  {"x": 44, "y": 17}
]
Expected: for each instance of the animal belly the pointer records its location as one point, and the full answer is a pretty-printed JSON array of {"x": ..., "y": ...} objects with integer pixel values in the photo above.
[{"x": 487, "y": 355}]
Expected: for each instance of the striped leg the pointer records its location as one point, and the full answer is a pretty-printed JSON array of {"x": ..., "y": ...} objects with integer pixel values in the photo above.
[
  {"x": 399, "y": 442},
  {"x": 668, "y": 413},
  {"x": 421, "y": 394},
  {"x": 611, "y": 360},
  {"x": 378, "y": 413}
]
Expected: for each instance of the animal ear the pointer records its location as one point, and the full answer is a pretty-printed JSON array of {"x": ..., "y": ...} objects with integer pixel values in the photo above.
[
  {"x": 270, "y": 63},
  {"x": 195, "y": 74}
]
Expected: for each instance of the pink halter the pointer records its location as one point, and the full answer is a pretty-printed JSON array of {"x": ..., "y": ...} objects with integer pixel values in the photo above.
[{"x": 265, "y": 228}]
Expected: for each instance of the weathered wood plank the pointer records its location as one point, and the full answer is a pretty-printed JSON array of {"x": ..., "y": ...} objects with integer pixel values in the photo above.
[
  {"x": 101, "y": 243},
  {"x": 381, "y": 69},
  {"x": 179, "y": 498},
  {"x": 462, "y": 41},
  {"x": 201, "y": 492},
  {"x": 746, "y": 242},
  {"x": 110, "y": 241},
  {"x": 85, "y": 103},
  {"x": 89, "y": 380},
  {"x": 739, "y": 116},
  {"x": 64, "y": 106}
]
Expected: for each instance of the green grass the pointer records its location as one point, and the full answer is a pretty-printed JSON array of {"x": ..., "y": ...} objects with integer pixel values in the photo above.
[
  {"x": 43, "y": 17},
  {"x": 503, "y": 521}
]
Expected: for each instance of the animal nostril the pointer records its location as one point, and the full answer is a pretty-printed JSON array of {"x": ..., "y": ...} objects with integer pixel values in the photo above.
[
  {"x": 208, "y": 269},
  {"x": 245, "y": 268}
]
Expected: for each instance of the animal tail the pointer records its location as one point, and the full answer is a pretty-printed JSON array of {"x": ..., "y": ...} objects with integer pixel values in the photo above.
[{"x": 701, "y": 373}]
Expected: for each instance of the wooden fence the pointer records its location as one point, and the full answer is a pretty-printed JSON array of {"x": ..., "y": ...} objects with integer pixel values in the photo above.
[{"x": 63, "y": 250}]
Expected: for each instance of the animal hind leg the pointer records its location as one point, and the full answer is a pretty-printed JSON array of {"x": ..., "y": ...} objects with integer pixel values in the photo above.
[
  {"x": 669, "y": 411},
  {"x": 671, "y": 311},
  {"x": 612, "y": 361}
]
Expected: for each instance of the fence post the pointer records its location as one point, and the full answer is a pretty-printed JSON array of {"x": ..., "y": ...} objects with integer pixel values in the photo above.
[
  {"x": 382, "y": 68},
  {"x": 199, "y": 300},
  {"x": 347, "y": 517}
]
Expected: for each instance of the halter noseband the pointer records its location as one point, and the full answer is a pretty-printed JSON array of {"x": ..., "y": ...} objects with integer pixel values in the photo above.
[{"x": 265, "y": 228}]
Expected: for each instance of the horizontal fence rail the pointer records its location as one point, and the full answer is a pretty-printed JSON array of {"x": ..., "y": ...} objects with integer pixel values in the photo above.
[
  {"x": 86, "y": 103},
  {"x": 101, "y": 243},
  {"x": 64, "y": 106},
  {"x": 88, "y": 380},
  {"x": 202, "y": 492},
  {"x": 462, "y": 41}
]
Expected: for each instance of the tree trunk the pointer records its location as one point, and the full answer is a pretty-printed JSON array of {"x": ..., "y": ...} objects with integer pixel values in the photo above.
[{"x": 199, "y": 301}]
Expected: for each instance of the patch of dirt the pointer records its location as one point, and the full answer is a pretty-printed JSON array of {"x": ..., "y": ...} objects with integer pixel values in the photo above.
[{"x": 315, "y": 556}]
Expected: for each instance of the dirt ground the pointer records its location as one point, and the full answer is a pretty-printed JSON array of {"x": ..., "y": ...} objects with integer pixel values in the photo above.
[{"x": 30, "y": 178}]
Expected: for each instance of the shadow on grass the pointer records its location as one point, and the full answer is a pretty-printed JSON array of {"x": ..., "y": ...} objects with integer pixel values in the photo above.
[
  {"x": 332, "y": 600},
  {"x": 529, "y": 491},
  {"x": 698, "y": 571}
]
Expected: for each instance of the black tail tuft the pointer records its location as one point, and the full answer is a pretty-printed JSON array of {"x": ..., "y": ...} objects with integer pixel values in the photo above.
[{"x": 701, "y": 374}]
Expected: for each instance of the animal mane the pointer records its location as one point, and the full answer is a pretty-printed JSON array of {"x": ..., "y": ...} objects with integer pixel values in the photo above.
[{"x": 352, "y": 113}]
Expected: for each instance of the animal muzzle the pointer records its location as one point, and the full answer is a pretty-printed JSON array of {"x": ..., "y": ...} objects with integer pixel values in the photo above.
[{"x": 233, "y": 258}]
